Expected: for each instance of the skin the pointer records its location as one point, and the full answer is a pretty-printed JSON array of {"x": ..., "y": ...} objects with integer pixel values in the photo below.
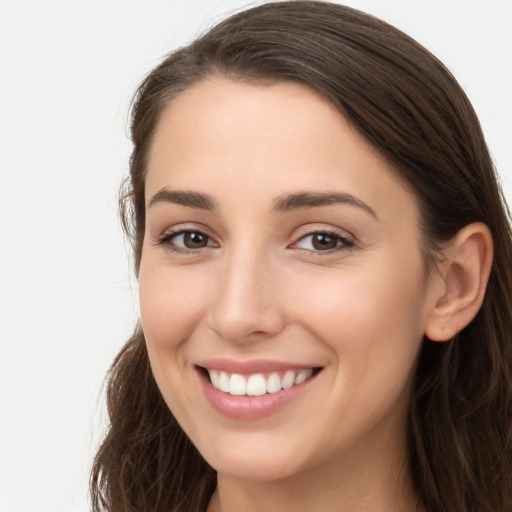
[{"x": 260, "y": 289}]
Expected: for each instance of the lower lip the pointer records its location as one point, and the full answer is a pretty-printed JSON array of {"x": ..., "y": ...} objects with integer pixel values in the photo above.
[{"x": 251, "y": 407}]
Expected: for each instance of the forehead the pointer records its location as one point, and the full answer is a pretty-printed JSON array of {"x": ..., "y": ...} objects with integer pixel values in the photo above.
[
  {"x": 218, "y": 108},
  {"x": 226, "y": 135}
]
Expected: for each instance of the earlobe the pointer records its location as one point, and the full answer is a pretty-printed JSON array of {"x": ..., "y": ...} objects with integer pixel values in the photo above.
[{"x": 464, "y": 274}]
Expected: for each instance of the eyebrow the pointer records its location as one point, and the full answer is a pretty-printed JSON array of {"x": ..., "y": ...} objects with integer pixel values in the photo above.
[
  {"x": 282, "y": 204},
  {"x": 312, "y": 199},
  {"x": 184, "y": 198}
]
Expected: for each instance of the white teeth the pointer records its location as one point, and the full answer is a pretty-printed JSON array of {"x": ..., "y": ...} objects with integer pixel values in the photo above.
[
  {"x": 223, "y": 382},
  {"x": 302, "y": 376},
  {"x": 215, "y": 378},
  {"x": 256, "y": 384},
  {"x": 288, "y": 380},
  {"x": 237, "y": 385},
  {"x": 273, "y": 383}
]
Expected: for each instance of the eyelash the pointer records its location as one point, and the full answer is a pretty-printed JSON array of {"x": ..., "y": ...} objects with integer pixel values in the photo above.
[
  {"x": 166, "y": 240},
  {"x": 343, "y": 243}
]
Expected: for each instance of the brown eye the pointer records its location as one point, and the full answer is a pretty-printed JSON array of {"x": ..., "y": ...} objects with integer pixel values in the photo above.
[
  {"x": 324, "y": 242},
  {"x": 194, "y": 240},
  {"x": 186, "y": 240}
]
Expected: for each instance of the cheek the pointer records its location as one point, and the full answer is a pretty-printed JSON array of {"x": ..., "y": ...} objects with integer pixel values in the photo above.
[
  {"x": 382, "y": 286},
  {"x": 171, "y": 305},
  {"x": 372, "y": 323},
  {"x": 371, "y": 316}
]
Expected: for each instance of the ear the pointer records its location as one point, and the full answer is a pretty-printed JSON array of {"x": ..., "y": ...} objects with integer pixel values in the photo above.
[{"x": 462, "y": 281}]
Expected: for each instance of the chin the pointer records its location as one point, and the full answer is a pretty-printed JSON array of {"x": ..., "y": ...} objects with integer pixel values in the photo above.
[
  {"x": 255, "y": 460},
  {"x": 256, "y": 470}
]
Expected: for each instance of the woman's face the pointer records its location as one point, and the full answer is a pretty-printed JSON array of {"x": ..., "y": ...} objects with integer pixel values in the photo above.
[{"x": 282, "y": 258}]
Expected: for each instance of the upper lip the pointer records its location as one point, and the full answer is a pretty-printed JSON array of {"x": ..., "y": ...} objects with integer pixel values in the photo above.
[{"x": 252, "y": 366}]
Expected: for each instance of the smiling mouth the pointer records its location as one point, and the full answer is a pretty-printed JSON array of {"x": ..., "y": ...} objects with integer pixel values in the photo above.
[{"x": 257, "y": 384}]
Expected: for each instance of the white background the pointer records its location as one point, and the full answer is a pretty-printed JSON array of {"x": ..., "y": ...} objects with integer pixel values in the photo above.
[{"x": 67, "y": 298}]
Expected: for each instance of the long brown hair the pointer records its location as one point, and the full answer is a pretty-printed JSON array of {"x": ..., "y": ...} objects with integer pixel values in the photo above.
[{"x": 411, "y": 109}]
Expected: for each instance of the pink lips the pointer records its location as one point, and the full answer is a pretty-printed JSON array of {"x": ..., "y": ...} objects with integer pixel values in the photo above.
[{"x": 250, "y": 407}]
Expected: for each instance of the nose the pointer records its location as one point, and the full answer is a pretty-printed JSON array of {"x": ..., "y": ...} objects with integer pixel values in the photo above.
[{"x": 247, "y": 305}]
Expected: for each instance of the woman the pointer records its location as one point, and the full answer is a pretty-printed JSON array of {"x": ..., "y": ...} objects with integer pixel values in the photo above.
[{"x": 324, "y": 257}]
